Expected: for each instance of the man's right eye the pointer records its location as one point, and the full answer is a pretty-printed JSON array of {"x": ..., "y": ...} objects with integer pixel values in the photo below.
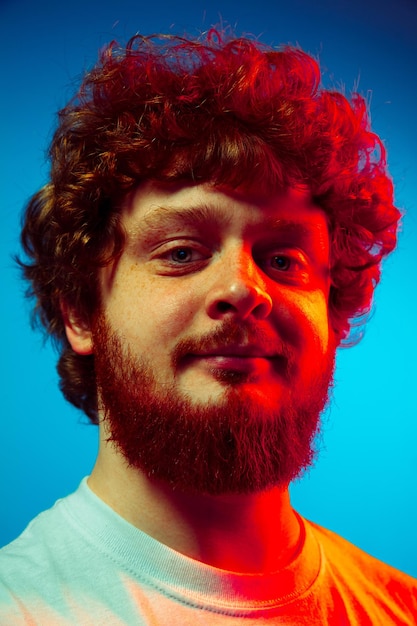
[
  {"x": 183, "y": 255},
  {"x": 175, "y": 258}
]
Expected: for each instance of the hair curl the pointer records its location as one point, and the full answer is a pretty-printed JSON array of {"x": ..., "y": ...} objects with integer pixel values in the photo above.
[{"x": 230, "y": 111}]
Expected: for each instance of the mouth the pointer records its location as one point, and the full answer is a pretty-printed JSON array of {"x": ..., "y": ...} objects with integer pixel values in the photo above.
[
  {"x": 244, "y": 359},
  {"x": 238, "y": 351}
]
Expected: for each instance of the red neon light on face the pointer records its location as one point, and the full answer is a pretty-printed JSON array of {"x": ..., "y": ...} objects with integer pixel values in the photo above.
[{"x": 219, "y": 302}]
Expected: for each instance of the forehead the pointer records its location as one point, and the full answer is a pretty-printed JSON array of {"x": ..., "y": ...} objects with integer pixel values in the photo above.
[{"x": 158, "y": 206}]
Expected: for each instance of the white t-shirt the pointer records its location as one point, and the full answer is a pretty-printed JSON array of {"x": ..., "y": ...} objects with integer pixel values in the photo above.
[{"x": 80, "y": 563}]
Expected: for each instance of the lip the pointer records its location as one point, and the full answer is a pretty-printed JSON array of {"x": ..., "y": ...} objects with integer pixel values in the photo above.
[
  {"x": 247, "y": 365},
  {"x": 239, "y": 352},
  {"x": 245, "y": 359}
]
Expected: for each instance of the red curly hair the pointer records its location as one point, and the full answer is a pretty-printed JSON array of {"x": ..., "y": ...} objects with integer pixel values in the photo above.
[{"x": 229, "y": 111}]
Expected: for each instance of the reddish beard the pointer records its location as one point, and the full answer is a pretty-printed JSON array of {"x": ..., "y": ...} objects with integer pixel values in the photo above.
[{"x": 233, "y": 445}]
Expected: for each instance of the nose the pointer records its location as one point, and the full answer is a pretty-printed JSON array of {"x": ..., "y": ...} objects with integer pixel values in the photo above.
[{"x": 238, "y": 290}]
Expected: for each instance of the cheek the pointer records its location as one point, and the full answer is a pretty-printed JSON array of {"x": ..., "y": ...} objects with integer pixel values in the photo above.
[
  {"x": 304, "y": 319},
  {"x": 172, "y": 313},
  {"x": 316, "y": 317},
  {"x": 155, "y": 312}
]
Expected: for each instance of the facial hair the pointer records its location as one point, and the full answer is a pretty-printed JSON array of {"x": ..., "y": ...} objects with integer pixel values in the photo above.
[{"x": 232, "y": 445}]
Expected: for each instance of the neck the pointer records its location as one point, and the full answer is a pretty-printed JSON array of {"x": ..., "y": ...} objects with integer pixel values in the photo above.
[{"x": 246, "y": 533}]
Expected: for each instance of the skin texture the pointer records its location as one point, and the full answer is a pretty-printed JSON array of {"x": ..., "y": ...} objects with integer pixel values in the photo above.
[{"x": 199, "y": 259}]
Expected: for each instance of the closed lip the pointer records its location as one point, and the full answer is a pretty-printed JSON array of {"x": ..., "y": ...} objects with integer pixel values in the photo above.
[{"x": 244, "y": 352}]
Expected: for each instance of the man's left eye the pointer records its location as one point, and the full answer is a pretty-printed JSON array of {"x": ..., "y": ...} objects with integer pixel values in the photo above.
[{"x": 281, "y": 262}]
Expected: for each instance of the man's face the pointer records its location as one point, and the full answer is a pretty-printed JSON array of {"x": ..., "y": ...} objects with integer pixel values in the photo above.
[{"x": 213, "y": 350}]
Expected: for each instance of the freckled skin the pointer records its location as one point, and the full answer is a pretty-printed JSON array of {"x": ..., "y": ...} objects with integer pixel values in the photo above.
[
  {"x": 155, "y": 299},
  {"x": 200, "y": 259}
]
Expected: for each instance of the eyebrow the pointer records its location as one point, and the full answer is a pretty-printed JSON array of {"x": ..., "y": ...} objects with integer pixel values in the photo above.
[
  {"x": 304, "y": 231},
  {"x": 160, "y": 218},
  {"x": 212, "y": 217}
]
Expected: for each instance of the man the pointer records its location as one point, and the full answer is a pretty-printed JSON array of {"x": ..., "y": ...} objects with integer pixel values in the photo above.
[{"x": 213, "y": 228}]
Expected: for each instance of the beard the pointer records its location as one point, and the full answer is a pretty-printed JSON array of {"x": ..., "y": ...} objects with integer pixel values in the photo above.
[{"x": 234, "y": 444}]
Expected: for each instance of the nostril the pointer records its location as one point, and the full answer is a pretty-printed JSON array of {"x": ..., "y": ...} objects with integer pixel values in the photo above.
[{"x": 223, "y": 306}]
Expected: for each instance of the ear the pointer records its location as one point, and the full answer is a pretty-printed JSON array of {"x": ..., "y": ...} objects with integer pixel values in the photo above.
[{"x": 78, "y": 332}]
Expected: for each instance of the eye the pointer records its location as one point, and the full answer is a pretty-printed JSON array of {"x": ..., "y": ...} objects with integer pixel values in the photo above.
[
  {"x": 176, "y": 258},
  {"x": 289, "y": 266},
  {"x": 281, "y": 262},
  {"x": 182, "y": 255}
]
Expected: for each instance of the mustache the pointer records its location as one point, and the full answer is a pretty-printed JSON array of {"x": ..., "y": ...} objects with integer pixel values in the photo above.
[{"x": 232, "y": 334}]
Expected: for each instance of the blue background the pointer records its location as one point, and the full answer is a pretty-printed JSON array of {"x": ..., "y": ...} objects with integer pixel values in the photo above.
[{"x": 364, "y": 483}]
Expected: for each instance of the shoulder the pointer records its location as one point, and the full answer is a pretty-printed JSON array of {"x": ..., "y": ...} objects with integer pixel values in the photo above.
[
  {"x": 44, "y": 544},
  {"x": 34, "y": 566},
  {"x": 27, "y": 554},
  {"x": 338, "y": 550},
  {"x": 355, "y": 573}
]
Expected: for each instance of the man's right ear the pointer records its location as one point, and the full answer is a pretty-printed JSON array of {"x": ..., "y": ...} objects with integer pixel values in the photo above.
[{"x": 78, "y": 332}]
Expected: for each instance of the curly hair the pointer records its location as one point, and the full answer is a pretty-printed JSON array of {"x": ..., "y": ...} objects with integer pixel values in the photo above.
[{"x": 221, "y": 109}]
